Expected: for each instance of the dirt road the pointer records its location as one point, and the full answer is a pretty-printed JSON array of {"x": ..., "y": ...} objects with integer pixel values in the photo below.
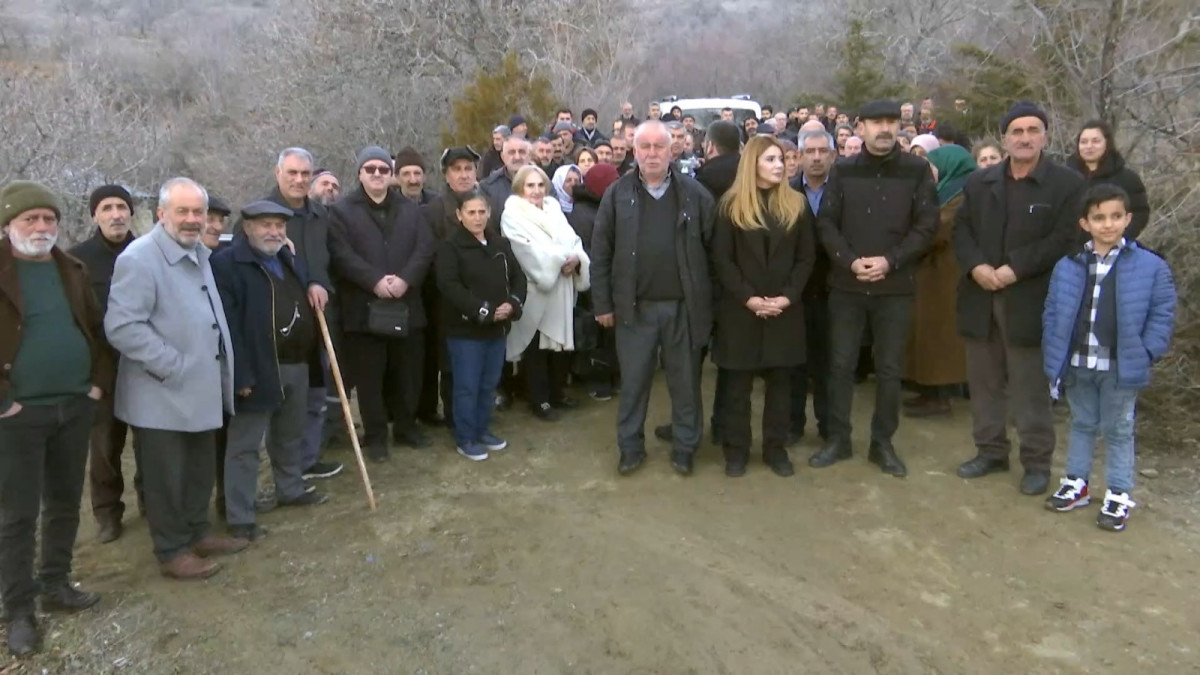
[{"x": 541, "y": 560}]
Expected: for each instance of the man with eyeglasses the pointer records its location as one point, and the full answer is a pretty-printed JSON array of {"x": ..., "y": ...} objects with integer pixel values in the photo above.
[
  {"x": 264, "y": 291},
  {"x": 382, "y": 250}
]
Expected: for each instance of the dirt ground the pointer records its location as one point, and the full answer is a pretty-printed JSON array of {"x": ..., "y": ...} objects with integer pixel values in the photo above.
[{"x": 543, "y": 560}]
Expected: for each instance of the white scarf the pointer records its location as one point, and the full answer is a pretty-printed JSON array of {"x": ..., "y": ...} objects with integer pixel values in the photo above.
[{"x": 542, "y": 240}]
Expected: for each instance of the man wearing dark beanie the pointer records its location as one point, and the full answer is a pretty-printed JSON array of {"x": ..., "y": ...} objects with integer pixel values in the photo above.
[
  {"x": 1017, "y": 219},
  {"x": 589, "y": 135},
  {"x": 111, "y": 207},
  {"x": 410, "y": 177}
]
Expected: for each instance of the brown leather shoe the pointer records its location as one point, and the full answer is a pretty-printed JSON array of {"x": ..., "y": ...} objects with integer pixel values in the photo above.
[
  {"x": 213, "y": 545},
  {"x": 187, "y": 566}
]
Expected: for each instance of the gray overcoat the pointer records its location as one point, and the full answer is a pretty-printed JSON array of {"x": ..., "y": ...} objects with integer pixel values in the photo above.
[{"x": 165, "y": 318}]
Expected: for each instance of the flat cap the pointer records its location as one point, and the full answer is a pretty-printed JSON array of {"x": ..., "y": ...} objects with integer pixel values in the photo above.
[
  {"x": 883, "y": 109},
  {"x": 451, "y": 155},
  {"x": 564, "y": 126},
  {"x": 216, "y": 205},
  {"x": 265, "y": 207}
]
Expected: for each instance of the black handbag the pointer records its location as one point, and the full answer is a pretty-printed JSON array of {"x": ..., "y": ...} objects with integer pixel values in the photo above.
[{"x": 387, "y": 317}]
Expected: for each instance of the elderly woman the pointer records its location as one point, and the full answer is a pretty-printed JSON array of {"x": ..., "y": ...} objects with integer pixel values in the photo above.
[
  {"x": 988, "y": 153},
  {"x": 924, "y": 144},
  {"x": 556, "y": 267},
  {"x": 566, "y": 179},
  {"x": 483, "y": 292}
]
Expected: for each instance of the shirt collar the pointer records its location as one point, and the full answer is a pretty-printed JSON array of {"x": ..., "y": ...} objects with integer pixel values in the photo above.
[
  {"x": 804, "y": 182},
  {"x": 1090, "y": 247}
]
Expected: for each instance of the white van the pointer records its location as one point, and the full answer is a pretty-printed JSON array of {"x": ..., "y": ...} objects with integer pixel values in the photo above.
[{"x": 708, "y": 110}]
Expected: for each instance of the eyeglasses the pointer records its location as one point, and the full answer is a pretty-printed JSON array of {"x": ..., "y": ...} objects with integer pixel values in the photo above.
[{"x": 373, "y": 169}]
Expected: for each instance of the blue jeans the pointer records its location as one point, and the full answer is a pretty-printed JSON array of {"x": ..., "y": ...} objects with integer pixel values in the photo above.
[
  {"x": 475, "y": 366},
  {"x": 1098, "y": 404}
]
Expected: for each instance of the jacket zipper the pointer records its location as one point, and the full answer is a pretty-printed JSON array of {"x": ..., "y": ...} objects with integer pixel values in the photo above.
[{"x": 274, "y": 348}]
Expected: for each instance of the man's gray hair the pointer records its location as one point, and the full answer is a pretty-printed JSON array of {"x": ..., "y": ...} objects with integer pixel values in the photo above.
[
  {"x": 516, "y": 139},
  {"x": 650, "y": 126},
  {"x": 295, "y": 152},
  {"x": 675, "y": 126},
  {"x": 804, "y": 138},
  {"x": 164, "y": 192},
  {"x": 503, "y": 130}
]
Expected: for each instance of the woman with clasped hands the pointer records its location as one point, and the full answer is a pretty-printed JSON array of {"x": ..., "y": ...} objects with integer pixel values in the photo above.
[
  {"x": 763, "y": 252},
  {"x": 556, "y": 266}
]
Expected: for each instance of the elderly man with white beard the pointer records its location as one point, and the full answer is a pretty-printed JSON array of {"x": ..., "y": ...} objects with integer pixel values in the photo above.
[
  {"x": 264, "y": 290},
  {"x": 175, "y": 376},
  {"x": 54, "y": 366}
]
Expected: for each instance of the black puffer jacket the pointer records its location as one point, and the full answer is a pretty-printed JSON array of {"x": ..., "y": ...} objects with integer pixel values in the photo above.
[
  {"x": 583, "y": 217},
  {"x": 474, "y": 280},
  {"x": 1112, "y": 170}
]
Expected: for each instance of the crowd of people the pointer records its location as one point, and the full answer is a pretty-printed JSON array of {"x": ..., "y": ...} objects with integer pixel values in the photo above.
[{"x": 786, "y": 248}]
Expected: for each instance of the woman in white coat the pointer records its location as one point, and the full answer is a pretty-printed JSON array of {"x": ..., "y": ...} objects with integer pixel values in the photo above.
[{"x": 552, "y": 256}]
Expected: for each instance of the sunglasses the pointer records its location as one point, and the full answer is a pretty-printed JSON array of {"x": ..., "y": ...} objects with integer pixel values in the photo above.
[{"x": 376, "y": 169}]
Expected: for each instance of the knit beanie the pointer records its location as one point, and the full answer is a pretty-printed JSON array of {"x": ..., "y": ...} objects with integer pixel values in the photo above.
[
  {"x": 587, "y": 112},
  {"x": 105, "y": 192},
  {"x": 1023, "y": 109},
  {"x": 20, "y": 196},
  {"x": 409, "y": 157},
  {"x": 372, "y": 152},
  {"x": 515, "y": 121},
  {"x": 599, "y": 177}
]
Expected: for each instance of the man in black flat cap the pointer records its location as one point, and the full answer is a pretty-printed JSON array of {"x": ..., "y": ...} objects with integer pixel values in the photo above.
[
  {"x": 460, "y": 166},
  {"x": 215, "y": 225},
  {"x": 877, "y": 218},
  {"x": 264, "y": 291},
  {"x": 1016, "y": 220},
  {"x": 111, "y": 207}
]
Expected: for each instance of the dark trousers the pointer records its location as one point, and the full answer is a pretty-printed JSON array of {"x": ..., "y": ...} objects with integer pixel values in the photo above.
[
  {"x": 105, "y": 446},
  {"x": 220, "y": 438},
  {"x": 179, "y": 469},
  {"x": 735, "y": 428},
  {"x": 658, "y": 326},
  {"x": 545, "y": 373},
  {"x": 889, "y": 317},
  {"x": 476, "y": 365},
  {"x": 815, "y": 371},
  {"x": 387, "y": 374},
  {"x": 1002, "y": 375},
  {"x": 43, "y": 460},
  {"x": 603, "y": 360},
  {"x": 437, "y": 383}
]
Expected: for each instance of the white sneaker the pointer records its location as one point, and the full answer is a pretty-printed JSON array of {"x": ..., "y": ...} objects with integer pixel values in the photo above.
[
  {"x": 1072, "y": 494},
  {"x": 1115, "y": 511}
]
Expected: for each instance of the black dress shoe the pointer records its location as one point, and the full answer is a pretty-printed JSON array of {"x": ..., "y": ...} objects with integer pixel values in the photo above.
[
  {"x": 780, "y": 466},
  {"x": 65, "y": 598},
  {"x": 630, "y": 462},
  {"x": 682, "y": 462},
  {"x": 23, "y": 636},
  {"x": 979, "y": 466},
  {"x": 565, "y": 403},
  {"x": 735, "y": 469},
  {"x": 884, "y": 455},
  {"x": 1035, "y": 482},
  {"x": 832, "y": 453},
  {"x": 664, "y": 433},
  {"x": 413, "y": 438}
]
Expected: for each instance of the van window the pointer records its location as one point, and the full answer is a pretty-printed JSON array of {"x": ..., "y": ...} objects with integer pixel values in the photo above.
[{"x": 706, "y": 116}]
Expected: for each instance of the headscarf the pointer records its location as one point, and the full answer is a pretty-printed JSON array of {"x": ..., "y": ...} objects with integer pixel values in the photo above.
[
  {"x": 560, "y": 178},
  {"x": 927, "y": 141},
  {"x": 954, "y": 163}
]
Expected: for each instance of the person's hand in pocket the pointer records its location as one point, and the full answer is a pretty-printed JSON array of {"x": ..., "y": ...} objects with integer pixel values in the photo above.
[{"x": 12, "y": 410}]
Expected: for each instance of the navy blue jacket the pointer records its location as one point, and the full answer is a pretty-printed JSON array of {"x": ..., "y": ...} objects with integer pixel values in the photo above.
[
  {"x": 1145, "y": 307},
  {"x": 246, "y": 293}
]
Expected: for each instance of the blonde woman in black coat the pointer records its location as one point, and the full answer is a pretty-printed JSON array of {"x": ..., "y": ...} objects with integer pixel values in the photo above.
[{"x": 763, "y": 251}]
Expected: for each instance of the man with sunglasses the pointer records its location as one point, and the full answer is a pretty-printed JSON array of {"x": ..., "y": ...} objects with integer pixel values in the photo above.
[
  {"x": 273, "y": 328},
  {"x": 382, "y": 250}
]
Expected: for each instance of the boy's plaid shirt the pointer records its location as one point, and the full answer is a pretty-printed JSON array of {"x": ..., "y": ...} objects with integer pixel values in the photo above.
[{"x": 1091, "y": 355}]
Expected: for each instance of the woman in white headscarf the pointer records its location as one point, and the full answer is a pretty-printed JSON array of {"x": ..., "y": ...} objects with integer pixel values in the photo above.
[
  {"x": 924, "y": 144},
  {"x": 557, "y": 267},
  {"x": 566, "y": 178}
]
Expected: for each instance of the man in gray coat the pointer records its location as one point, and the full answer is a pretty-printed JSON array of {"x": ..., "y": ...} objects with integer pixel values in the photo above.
[
  {"x": 651, "y": 278},
  {"x": 175, "y": 377}
]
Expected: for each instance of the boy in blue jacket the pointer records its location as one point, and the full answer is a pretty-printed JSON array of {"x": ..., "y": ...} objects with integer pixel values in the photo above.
[{"x": 1108, "y": 317}]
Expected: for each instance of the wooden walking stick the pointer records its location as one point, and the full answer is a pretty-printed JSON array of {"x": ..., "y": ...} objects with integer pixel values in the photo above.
[{"x": 345, "y": 400}]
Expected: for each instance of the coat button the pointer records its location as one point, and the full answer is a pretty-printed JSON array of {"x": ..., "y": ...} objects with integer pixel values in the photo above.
[
  {"x": 216, "y": 327},
  {"x": 8, "y": 366},
  {"x": 204, "y": 288},
  {"x": 218, "y": 357}
]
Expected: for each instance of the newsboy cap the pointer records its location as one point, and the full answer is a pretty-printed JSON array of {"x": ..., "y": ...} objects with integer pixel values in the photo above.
[
  {"x": 883, "y": 109},
  {"x": 264, "y": 208},
  {"x": 451, "y": 155}
]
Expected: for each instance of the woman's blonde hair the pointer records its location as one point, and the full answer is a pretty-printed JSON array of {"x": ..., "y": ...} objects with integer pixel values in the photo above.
[
  {"x": 742, "y": 203},
  {"x": 518, "y": 184}
]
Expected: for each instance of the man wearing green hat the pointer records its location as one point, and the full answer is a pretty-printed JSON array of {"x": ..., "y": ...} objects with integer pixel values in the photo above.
[{"x": 53, "y": 365}]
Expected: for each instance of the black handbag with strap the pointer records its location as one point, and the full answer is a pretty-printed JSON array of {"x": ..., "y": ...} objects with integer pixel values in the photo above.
[{"x": 387, "y": 317}]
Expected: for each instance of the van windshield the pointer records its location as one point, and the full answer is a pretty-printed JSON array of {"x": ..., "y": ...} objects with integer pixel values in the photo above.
[{"x": 706, "y": 116}]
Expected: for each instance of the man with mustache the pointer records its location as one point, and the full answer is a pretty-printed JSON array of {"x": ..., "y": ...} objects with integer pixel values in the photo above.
[
  {"x": 54, "y": 366},
  {"x": 175, "y": 376},
  {"x": 214, "y": 225},
  {"x": 111, "y": 207},
  {"x": 1017, "y": 219},
  {"x": 264, "y": 291},
  {"x": 877, "y": 217}
]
